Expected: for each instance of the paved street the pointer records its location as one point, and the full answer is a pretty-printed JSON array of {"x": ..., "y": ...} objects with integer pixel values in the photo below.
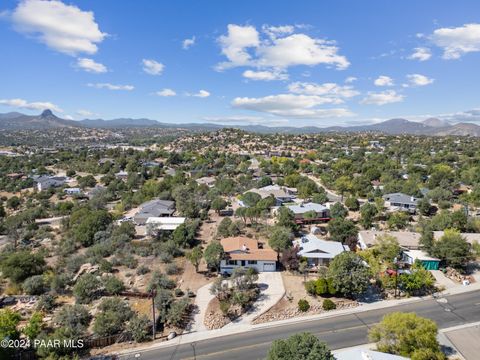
[
  {"x": 466, "y": 341},
  {"x": 339, "y": 331}
]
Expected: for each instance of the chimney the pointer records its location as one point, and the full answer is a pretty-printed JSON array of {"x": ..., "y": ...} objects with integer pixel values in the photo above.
[{"x": 244, "y": 247}]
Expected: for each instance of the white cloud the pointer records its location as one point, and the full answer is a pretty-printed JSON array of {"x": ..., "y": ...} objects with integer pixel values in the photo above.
[
  {"x": 68, "y": 117},
  {"x": 291, "y": 106},
  {"x": 152, "y": 67},
  {"x": 242, "y": 46},
  {"x": 274, "y": 31},
  {"x": 187, "y": 43},
  {"x": 24, "y": 104},
  {"x": 166, "y": 93},
  {"x": 201, "y": 94},
  {"x": 350, "y": 79},
  {"x": 421, "y": 54},
  {"x": 382, "y": 98},
  {"x": 85, "y": 113},
  {"x": 264, "y": 75},
  {"x": 111, "y": 86},
  {"x": 332, "y": 90},
  {"x": 64, "y": 28},
  {"x": 383, "y": 80},
  {"x": 89, "y": 65},
  {"x": 418, "y": 80},
  {"x": 458, "y": 41}
]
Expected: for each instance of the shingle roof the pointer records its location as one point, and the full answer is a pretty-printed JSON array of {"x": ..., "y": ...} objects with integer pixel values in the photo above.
[
  {"x": 313, "y": 247},
  {"x": 243, "y": 248},
  {"x": 401, "y": 198},
  {"x": 302, "y": 209}
]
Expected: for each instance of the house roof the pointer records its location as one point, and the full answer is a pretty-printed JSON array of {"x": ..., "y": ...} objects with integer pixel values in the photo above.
[
  {"x": 364, "y": 354},
  {"x": 243, "y": 248},
  {"x": 155, "y": 208},
  {"x": 166, "y": 223},
  {"x": 206, "y": 180},
  {"x": 407, "y": 239},
  {"x": 401, "y": 198},
  {"x": 312, "y": 247},
  {"x": 420, "y": 255},
  {"x": 275, "y": 190},
  {"x": 303, "y": 208},
  {"x": 470, "y": 237}
]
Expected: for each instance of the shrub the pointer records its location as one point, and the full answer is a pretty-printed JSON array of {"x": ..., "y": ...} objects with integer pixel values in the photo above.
[
  {"x": 113, "y": 285},
  {"x": 310, "y": 287},
  {"x": 328, "y": 305},
  {"x": 86, "y": 288},
  {"x": 303, "y": 305},
  {"x": 178, "y": 292},
  {"x": 331, "y": 287},
  {"x": 138, "y": 327},
  {"x": 46, "y": 302},
  {"x": 142, "y": 270},
  {"x": 321, "y": 286},
  {"x": 34, "y": 285},
  {"x": 172, "y": 269}
]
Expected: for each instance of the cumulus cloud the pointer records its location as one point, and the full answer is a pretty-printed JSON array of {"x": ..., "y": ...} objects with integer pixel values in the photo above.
[
  {"x": 36, "y": 105},
  {"x": 274, "y": 31},
  {"x": 331, "y": 90},
  {"x": 292, "y": 106},
  {"x": 187, "y": 43},
  {"x": 265, "y": 75},
  {"x": 111, "y": 86},
  {"x": 152, "y": 67},
  {"x": 383, "y": 80},
  {"x": 85, "y": 113},
  {"x": 418, "y": 80},
  {"x": 350, "y": 79},
  {"x": 201, "y": 94},
  {"x": 166, "y": 93},
  {"x": 382, "y": 98},
  {"x": 63, "y": 28},
  {"x": 243, "y": 46},
  {"x": 421, "y": 54},
  {"x": 457, "y": 41},
  {"x": 89, "y": 65}
]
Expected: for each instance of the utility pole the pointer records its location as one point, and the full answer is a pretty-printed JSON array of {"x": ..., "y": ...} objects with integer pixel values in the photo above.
[{"x": 154, "y": 328}]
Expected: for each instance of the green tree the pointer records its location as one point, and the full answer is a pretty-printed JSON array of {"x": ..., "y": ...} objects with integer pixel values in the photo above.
[
  {"x": 280, "y": 238},
  {"x": 286, "y": 218},
  {"x": 138, "y": 326},
  {"x": 74, "y": 318},
  {"x": 34, "y": 326},
  {"x": 86, "y": 288},
  {"x": 452, "y": 248},
  {"x": 368, "y": 212},
  {"x": 218, "y": 204},
  {"x": 250, "y": 199},
  {"x": 407, "y": 334},
  {"x": 13, "y": 202},
  {"x": 338, "y": 211},
  {"x": 9, "y": 321},
  {"x": 195, "y": 256},
  {"x": 398, "y": 220},
  {"x": 352, "y": 204},
  {"x": 387, "y": 247},
  {"x": 213, "y": 254},
  {"x": 20, "y": 265},
  {"x": 342, "y": 230},
  {"x": 350, "y": 276},
  {"x": 113, "y": 285},
  {"x": 302, "y": 346}
]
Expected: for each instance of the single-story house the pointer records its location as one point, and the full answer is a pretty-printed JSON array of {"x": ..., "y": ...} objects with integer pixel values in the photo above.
[
  {"x": 206, "y": 180},
  {"x": 72, "y": 191},
  {"x": 322, "y": 213},
  {"x": 318, "y": 252},
  {"x": 406, "y": 239},
  {"x": 365, "y": 354},
  {"x": 428, "y": 262},
  {"x": 157, "y": 224},
  {"x": 154, "y": 208},
  {"x": 241, "y": 251},
  {"x": 122, "y": 174},
  {"x": 44, "y": 182},
  {"x": 470, "y": 237},
  {"x": 282, "y": 194},
  {"x": 401, "y": 202}
]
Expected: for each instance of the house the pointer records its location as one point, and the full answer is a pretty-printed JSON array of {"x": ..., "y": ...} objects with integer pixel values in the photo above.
[
  {"x": 376, "y": 185},
  {"x": 282, "y": 194},
  {"x": 241, "y": 251},
  {"x": 428, "y": 262},
  {"x": 44, "y": 182},
  {"x": 154, "y": 208},
  {"x": 406, "y": 239},
  {"x": 206, "y": 180},
  {"x": 365, "y": 354},
  {"x": 72, "y": 191},
  {"x": 471, "y": 238},
  {"x": 318, "y": 252},
  {"x": 122, "y": 174},
  {"x": 401, "y": 202},
  {"x": 318, "y": 212},
  {"x": 157, "y": 224}
]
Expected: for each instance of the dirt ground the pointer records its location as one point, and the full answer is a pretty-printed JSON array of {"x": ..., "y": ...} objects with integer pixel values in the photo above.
[{"x": 295, "y": 289}]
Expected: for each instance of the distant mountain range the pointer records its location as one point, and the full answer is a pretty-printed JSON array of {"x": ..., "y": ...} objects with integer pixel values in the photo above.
[{"x": 47, "y": 120}]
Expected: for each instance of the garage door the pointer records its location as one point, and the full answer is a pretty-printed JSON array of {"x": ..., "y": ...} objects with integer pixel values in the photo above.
[{"x": 269, "y": 266}]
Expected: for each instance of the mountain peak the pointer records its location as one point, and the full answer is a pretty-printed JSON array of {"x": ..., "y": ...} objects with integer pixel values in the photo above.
[
  {"x": 435, "y": 122},
  {"x": 47, "y": 113}
]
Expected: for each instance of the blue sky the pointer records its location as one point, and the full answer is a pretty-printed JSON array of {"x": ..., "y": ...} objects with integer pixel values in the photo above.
[{"x": 264, "y": 62}]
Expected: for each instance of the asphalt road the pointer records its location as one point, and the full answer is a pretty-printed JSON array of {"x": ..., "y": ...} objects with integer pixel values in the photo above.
[{"x": 338, "y": 332}]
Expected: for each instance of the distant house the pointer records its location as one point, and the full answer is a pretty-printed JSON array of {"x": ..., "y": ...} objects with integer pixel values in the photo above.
[
  {"x": 157, "y": 224},
  {"x": 320, "y": 212},
  {"x": 152, "y": 164},
  {"x": 406, "y": 239},
  {"x": 428, "y": 262},
  {"x": 104, "y": 160},
  {"x": 365, "y": 354},
  {"x": 206, "y": 180},
  {"x": 122, "y": 174},
  {"x": 45, "y": 182},
  {"x": 376, "y": 185},
  {"x": 154, "y": 208},
  {"x": 471, "y": 238},
  {"x": 245, "y": 252},
  {"x": 401, "y": 202},
  {"x": 72, "y": 191},
  {"x": 318, "y": 252},
  {"x": 282, "y": 194}
]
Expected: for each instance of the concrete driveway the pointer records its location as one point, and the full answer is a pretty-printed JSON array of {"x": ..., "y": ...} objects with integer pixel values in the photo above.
[
  {"x": 466, "y": 341},
  {"x": 202, "y": 300}
]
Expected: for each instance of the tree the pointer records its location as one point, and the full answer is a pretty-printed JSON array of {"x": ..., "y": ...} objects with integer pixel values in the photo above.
[
  {"x": 213, "y": 254},
  {"x": 418, "y": 282},
  {"x": 113, "y": 285},
  {"x": 407, "y": 334},
  {"x": 177, "y": 312},
  {"x": 74, "y": 318},
  {"x": 350, "y": 276},
  {"x": 195, "y": 256},
  {"x": 218, "y": 204},
  {"x": 368, "y": 212},
  {"x": 290, "y": 259},
  {"x": 424, "y": 206},
  {"x": 13, "y": 202},
  {"x": 138, "y": 327},
  {"x": 280, "y": 238},
  {"x": 387, "y": 247},
  {"x": 320, "y": 197},
  {"x": 84, "y": 223},
  {"x": 352, "y": 204},
  {"x": 86, "y": 288},
  {"x": 9, "y": 321},
  {"x": 337, "y": 210},
  {"x": 34, "y": 325},
  {"x": 113, "y": 315},
  {"x": 398, "y": 220},
  {"x": 341, "y": 230},
  {"x": 20, "y": 265},
  {"x": 343, "y": 184},
  {"x": 34, "y": 285},
  {"x": 303, "y": 346},
  {"x": 286, "y": 218},
  {"x": 452, "y": 248},
  {"x": 250, "y": 199}
]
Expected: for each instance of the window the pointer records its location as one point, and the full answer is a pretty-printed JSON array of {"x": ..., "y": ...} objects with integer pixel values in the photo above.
[
  {"x": 231, "y": 262},
  {"x": 252, "y": 262}
]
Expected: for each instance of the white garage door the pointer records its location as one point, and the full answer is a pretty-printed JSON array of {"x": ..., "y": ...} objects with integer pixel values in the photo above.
[{"x": 269, "y": 266}]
